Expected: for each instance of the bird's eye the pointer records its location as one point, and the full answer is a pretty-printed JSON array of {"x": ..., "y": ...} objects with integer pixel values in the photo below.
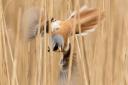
[{"x": 53, "y": 20}]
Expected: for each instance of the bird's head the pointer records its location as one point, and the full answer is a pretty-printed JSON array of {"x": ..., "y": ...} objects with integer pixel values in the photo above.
[{"x": 57, "y": 42}]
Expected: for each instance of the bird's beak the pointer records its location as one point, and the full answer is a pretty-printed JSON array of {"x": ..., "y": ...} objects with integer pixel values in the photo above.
[{"x": 60, "y": 49}]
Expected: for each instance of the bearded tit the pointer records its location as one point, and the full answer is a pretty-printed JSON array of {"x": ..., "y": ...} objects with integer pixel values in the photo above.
[
  {"x": 62, "y": 30},
  {"x": 79, "y": 23}
]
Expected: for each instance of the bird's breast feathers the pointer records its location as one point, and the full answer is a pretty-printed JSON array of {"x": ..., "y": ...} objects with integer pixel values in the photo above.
[{"x": 55, "y": 25}]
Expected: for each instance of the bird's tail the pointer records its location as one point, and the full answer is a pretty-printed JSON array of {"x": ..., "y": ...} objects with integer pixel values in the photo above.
[
  {"x": 63, "y": 75},
  {"x": 64, "y": 66}
]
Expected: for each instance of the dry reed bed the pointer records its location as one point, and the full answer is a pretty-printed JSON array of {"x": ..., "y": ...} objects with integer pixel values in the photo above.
[{"x": 102, "y": 55}]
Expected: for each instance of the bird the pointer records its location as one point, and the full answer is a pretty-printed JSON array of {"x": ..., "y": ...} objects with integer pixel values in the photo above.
[
  {"x": 63, "y": 29},
  {"x": 79, "y": 23}
]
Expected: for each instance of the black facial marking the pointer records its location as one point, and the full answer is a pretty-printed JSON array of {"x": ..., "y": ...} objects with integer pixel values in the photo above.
[
  {"x": 52, "y": 19},
  {"x": 77, "y": 32},
  {"x": 55, "y": 47}
]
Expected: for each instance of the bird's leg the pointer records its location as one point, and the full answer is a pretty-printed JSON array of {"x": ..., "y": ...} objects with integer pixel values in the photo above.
[
  {"x": 60, "y": 49},
  {"x": 66, "y": 46}
]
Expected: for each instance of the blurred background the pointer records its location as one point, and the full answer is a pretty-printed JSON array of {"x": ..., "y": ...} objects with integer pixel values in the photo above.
[{"x": 104, "y": 53}]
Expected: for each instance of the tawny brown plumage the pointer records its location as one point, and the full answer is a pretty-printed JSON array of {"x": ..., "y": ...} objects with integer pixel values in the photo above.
[
  {"x": 79, "y": 22},
  {"x": 88, "y": 19}
]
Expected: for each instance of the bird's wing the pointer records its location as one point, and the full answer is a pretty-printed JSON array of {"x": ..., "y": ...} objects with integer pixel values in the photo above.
[
  {"x": 74, "y": 13},
  {"x": 87, "y": 18},
  {"x": 30, "y": 22}
]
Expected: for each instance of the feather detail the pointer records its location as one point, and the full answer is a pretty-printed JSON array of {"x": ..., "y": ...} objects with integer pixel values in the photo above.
[
  {"x": 88, "y": 18},
  {"x": 64, "y": 67},
  {"x": 85, "y": 7},
  {"x": 65, "y": 30},
  {"x": 86, "y": 32},
  {"x": 30, "y": 22},
  {"x": 55, "y": 25}
]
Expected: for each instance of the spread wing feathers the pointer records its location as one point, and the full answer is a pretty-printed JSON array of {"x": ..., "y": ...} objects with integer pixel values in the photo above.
[
  {"x": 84, "y": 8},
  {"x": 30, "y": 22},
  {"x": 88, "y": 18}
]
